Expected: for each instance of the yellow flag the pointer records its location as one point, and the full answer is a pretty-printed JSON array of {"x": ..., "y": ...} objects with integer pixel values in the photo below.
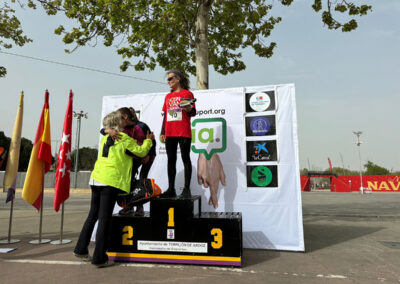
[{"x": 10, "y": 176}]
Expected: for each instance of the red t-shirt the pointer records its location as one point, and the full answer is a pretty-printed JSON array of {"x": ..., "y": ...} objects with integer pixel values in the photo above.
[{"x": 177, "y": 121}]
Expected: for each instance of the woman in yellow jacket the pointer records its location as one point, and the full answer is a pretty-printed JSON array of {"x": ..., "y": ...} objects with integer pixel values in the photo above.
[{"x": 111, "y": 175}]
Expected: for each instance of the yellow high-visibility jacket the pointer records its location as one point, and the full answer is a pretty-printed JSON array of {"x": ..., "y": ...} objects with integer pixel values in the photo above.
[{"x": 113, "y": 166}]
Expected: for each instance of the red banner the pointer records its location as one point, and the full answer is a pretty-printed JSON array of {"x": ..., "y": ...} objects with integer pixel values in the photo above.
[{"x": 387, "y": 183}]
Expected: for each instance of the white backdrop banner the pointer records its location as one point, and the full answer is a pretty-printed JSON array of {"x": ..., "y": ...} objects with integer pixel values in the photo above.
[{"x": 253, "y": 130}]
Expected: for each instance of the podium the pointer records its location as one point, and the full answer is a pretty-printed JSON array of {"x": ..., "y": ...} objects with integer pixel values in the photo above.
[{"x": 176, "y": 231}]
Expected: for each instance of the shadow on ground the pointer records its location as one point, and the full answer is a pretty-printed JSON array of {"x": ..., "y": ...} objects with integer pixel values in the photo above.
[
  {"x": 256, "y": 256},
  {"x": 319, "y": 236},
  {"x": 26, "y": 250}
]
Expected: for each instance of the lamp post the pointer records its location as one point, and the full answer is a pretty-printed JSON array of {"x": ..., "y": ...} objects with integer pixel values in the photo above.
[
  {"x": 78, "y": 116},
  {"x": 358, "y": 143},
  {"x": 55, "y": 153}
]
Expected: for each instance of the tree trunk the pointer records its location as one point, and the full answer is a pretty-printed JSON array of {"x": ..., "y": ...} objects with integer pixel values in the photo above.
[{"x": 201, "y": 43}]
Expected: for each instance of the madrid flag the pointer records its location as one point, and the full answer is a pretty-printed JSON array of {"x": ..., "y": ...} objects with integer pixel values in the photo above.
[
  {"x": 10, "y": 176},
  {"x": 63, "y": 168},
  {"x": 40, "y": 161}
]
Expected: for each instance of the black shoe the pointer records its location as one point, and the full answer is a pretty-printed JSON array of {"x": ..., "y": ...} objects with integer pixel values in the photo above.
[
  {"x": 186, "y": 193},
  {"x": 126, "y": 211},
  {"x": 170, "y": 193},
  {"x": 105, "y": 264},
  {"x": 139, "y": 211},
  {"x": 84, "y": 257}
]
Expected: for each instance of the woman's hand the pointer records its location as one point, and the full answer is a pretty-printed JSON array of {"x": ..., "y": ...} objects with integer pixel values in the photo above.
[
  {"x": 150, "y": 135},
  {"x": 115, "y": 135},
  {"x": 187, "y": 108},
  {"x": 162, "y": 138}
]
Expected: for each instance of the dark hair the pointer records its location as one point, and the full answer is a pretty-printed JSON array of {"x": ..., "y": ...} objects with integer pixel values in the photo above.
[
  {"x": 183, "y": 79},
  {"x": 130, "y": 112}
]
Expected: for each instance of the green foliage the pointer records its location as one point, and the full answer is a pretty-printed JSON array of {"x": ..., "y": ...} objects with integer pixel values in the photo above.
[
  {"x": 303, "y": 171},
  {"x": 24, "y": 154},
  {"x": 87, "y": 158},
  {"x": 10, "y": 31},
  {"x": 343, "y": 7},
  {"x": 373, "y": 169},
  {"x": 5, "y": 143},
  {"x": 161, "y": 32},
  {"x": 343, "y": 172}
]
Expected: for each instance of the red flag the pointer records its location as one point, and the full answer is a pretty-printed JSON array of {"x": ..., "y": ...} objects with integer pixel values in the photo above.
[
  {"x": 330, "y": 165},
  {"x": 63, "y": 168}
]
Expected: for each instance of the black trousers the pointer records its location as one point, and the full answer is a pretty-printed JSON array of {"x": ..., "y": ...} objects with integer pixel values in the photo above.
[
  {"x": 101, "y": 208},
  {"x": 171, "y": 145}
]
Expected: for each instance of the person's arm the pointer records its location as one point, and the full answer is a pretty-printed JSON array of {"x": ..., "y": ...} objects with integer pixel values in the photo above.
[
  {"x": 140, "y": 151},
  {"x": 192, "y": 112},
  {"x": 115, "y": 135},
  {"x": 163, "y": 128},
  {"x": 190, "y": 109},
  {"x": 145, "y": 128}
]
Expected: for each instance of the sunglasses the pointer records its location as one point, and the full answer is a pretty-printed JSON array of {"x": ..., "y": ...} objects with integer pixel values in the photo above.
[{"x": 170, "y": 78}]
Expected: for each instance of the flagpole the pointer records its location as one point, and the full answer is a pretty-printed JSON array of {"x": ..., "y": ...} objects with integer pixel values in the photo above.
[
  {"x": 11, "y": 172},
  {"x": 40, "y": 240},
  {"x": 9, "y": 240},
  {"x": 61, "y": 241}
]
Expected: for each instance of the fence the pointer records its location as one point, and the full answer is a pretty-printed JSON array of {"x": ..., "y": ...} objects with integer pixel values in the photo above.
[{"x": 49, "y": 179}]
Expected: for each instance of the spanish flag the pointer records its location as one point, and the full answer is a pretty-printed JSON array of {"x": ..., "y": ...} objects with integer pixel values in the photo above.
[
  {"x": 40, "y": 161},
  {"x": 10, "y": 177}
]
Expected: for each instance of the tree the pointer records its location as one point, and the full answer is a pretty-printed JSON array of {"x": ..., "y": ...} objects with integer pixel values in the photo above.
[
  {"x": 303, "y": 171},
  {"x": 5, "y": 143},
  {"x": 373, "y": 169},
  {"x": 343, "y": 172},
  {"x": 87, "y": 159},
  {"x": 24, "y": 152},
  {"x": 10, "y": 31},
  {"x": 185, "y": 34}
]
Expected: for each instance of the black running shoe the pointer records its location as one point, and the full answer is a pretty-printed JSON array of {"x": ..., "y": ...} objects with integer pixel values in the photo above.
[
  {"x": 186, "y": 193},
  {"x": 170, "y": 193}
]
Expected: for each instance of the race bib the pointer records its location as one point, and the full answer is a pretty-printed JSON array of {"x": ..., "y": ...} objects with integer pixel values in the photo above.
[{"x": 174, "y": 114}]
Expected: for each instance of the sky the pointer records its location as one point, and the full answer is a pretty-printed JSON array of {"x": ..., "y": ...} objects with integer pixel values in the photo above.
[{"x": 344, "y": 82}]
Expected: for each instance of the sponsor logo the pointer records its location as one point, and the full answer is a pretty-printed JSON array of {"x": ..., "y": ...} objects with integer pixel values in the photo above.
[
  {"x": 261, "y": 176},
  {"x": 261, "y": 153},
  {"x": 260, "y": 125},
  {"x": 136, "y": 191},
  {"x": 259, "y": 101},
  {"x": 209, "y": 136},
  {"x": 260, "y": 148},
  {"x": 384, "y": 185},
  {"x": 170, "y": 234}
]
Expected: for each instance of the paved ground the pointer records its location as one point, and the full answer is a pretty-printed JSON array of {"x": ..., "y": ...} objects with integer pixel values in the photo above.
[{"x": 350, "y": 238}]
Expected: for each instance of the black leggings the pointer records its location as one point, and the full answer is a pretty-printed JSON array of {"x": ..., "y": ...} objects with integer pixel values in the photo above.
[
  {"x": 171, "y": 145},
  {"x": 101, "y": 208}
]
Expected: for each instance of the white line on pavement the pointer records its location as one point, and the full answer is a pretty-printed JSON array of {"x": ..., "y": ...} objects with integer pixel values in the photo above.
[{"x": 147, "y": 265}]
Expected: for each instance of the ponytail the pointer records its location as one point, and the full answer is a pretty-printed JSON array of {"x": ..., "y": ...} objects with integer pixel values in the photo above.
[{"x": 130, "y": 112}]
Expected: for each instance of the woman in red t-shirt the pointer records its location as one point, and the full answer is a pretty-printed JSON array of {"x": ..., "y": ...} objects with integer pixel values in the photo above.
[{"x": 178, "y": 108}]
